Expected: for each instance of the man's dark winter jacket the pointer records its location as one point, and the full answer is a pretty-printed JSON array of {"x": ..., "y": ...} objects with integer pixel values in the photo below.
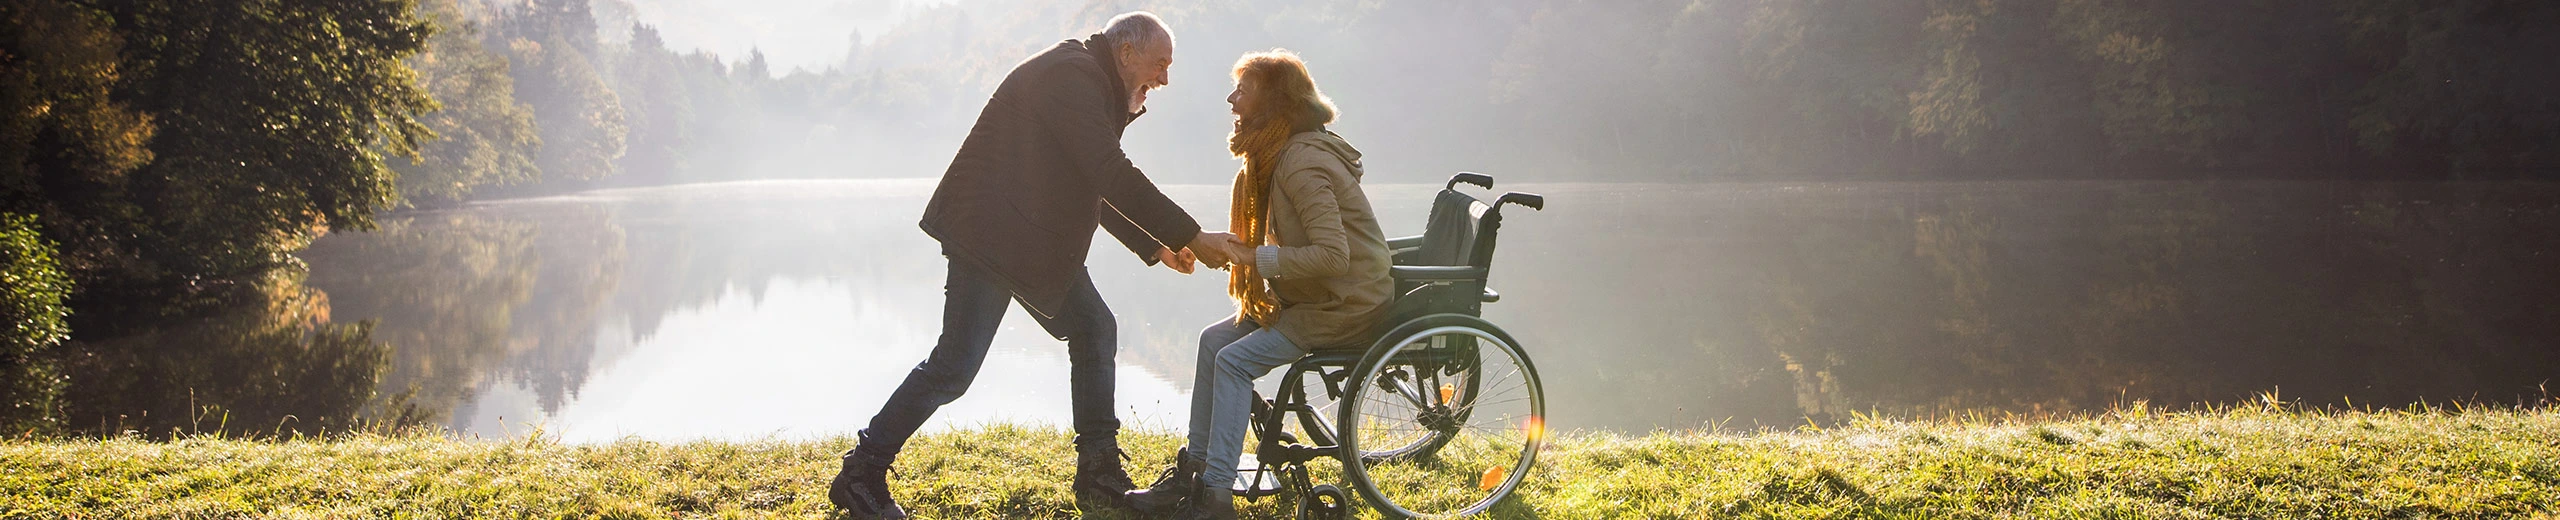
[{"x": 1041, "y": 168}]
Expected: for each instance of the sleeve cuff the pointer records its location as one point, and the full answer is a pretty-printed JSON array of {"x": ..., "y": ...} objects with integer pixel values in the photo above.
[{"x": 1266, "y": 260}]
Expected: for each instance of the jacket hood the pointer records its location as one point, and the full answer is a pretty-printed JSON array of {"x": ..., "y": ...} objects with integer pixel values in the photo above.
[{"x": 1331, "y": 143}]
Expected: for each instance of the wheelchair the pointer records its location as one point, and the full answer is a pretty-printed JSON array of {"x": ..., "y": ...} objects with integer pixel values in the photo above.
[{"x": 1440, "y": 417}]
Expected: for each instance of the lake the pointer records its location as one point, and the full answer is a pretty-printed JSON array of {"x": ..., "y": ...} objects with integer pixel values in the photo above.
[{"x": 791, "y": 309}]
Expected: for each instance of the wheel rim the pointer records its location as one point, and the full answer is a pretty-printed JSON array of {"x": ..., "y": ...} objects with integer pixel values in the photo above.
[{"x": 1446, "y": 422}]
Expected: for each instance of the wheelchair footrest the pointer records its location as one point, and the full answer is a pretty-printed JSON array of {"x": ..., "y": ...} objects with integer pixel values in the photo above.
[{"x": 1254, "y": 479}]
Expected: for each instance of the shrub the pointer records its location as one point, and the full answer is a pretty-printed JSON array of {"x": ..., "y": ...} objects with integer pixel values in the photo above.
[{"x": 32, "y": 289}]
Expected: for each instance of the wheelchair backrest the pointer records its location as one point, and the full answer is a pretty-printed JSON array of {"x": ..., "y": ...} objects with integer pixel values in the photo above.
[
  {"x": 1450, "y": 234},
  {"x": 1460, "y": 233},
  {"x": 1449, "y": 238}
]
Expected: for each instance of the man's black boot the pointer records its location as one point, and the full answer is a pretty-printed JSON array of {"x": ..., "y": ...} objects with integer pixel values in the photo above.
[
  {"x": 1098, "y": 471},
  {"x": 863, "y": 487},
  {"x": 1179, "y": 483}
]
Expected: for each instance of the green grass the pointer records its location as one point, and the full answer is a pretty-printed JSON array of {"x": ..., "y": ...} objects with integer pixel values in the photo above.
[{"x": 2245, "y": 462}]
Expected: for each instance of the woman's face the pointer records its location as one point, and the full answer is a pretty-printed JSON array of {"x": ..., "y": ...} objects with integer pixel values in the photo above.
[{"x": 1240, "y": 102}]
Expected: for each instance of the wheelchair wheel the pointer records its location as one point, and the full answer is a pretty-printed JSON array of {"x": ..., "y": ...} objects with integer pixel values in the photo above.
[
  {"x": 1324, "y": 502},
  {"x": 1442, "y": 419}
]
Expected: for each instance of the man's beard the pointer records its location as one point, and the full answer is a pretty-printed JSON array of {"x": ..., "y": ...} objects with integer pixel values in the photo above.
[{"x": 1138, "y": 100}]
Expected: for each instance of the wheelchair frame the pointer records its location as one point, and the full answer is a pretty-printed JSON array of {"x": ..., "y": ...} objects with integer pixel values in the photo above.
[{"x": 1440, "y": 279}]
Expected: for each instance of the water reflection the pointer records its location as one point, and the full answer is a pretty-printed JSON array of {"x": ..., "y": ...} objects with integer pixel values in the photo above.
[
  {"x": 466, "y": 297},
  {"x": 740, "y": 310},
  {"x": 269, "y": 362}
]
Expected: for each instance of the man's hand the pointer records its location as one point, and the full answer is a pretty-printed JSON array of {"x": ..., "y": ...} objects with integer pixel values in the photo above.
[
  {"x": 1219, "y": 249},
  {"x": 1180, "y": 262}
]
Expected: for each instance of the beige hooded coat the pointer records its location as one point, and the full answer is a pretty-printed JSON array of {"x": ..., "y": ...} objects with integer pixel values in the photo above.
[{"x": 1326, "y": 258}]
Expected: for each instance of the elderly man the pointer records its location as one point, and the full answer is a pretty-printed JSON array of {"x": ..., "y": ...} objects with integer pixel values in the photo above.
[{"x": 1015, "y": 213}]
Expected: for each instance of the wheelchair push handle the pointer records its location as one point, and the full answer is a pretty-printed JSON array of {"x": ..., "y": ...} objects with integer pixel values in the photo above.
[
  {"x": 1478, "y": 179},
  {"x": 1532, "y": 200}
]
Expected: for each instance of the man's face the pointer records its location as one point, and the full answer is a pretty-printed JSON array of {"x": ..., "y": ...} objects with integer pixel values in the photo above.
[{"x": 1144, "y": 69}]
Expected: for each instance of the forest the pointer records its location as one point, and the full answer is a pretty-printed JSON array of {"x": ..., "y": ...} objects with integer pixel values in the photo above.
[{"x": 162, "y": 163}]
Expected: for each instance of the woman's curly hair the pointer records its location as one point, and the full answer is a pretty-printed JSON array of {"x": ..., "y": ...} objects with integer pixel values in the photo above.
[{"x": 1284, "y": 89}]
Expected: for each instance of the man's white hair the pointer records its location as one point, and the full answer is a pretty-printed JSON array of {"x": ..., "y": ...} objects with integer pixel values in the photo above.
[{"x": 1139, "y": 28}]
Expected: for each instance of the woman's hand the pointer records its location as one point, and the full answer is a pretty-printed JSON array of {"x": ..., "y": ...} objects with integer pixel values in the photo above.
[{"x": 1219, "y": 249}]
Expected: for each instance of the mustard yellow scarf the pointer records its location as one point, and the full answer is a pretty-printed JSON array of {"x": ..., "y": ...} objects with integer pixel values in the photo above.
[{"x": 1260, "y": 147}]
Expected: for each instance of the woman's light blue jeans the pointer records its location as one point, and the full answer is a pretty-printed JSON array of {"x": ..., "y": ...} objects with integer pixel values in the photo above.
[{"x": 1233, "y": 352}]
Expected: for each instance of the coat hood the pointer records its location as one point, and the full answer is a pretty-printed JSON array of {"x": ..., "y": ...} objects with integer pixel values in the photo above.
[{"x": 1332, "y": 143}]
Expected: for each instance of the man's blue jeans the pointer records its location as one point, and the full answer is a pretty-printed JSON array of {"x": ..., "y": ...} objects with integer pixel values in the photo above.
[{"x": 972, "y": 309}]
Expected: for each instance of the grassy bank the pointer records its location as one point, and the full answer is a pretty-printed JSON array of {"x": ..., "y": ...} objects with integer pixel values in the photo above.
[{"x": 2250, "y": 462}]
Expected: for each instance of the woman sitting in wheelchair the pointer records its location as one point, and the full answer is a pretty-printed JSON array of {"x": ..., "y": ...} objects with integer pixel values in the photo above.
[{"x": 1317, "y": 277}]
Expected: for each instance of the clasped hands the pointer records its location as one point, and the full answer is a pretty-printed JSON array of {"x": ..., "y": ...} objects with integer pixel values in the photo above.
[{"x": 1217, "y": 249}]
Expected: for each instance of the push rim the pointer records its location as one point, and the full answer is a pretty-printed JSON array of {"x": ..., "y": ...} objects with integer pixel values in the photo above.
[{"x": 1462, "y": 387}]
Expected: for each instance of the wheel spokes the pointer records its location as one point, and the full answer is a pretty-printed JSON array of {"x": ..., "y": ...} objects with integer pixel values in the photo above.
[{"x": 1446, "y": 440}]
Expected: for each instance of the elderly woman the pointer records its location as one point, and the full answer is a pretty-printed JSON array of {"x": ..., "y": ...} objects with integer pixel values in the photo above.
[{"x": 1317, "y": 278}]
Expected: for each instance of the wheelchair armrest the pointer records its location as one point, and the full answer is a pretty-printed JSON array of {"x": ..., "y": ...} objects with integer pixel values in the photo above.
[
  {"x": 1403, "y": 250},
  {"x": 1404, "y": 256},
  {"x": 1435, "y": 273}
]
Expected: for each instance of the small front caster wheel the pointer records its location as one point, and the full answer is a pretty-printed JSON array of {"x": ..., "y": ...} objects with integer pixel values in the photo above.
[{"x": 1324, "y": 502}]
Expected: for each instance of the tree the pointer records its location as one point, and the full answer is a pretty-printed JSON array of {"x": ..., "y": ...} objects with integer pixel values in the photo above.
[
  {"x": 176, "y": 152},
  {"x": 2471, "y": 83},
  {"x": 573, "y": 21},
  {"x": 172, "y": 155},
  {"x": 272, "y": 117},
  {"x": 484, "y": 136},
  {"x": 66, "y": 145},
  {"x": 552, "y": 45},
  {"x": 655, "y": 98}
]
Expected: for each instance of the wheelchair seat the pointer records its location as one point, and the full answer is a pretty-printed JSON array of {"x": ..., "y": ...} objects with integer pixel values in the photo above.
[{"x": 1325, "y": 358}]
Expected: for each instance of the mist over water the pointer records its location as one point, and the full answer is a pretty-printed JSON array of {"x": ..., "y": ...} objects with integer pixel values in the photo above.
[{"x": 792, "y": 308}]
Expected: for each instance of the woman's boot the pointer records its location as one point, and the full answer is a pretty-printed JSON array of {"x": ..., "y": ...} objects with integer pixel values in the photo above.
[
  {"x": 1210, "y": 504},
  {"x": 1178, "y": 483}
]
